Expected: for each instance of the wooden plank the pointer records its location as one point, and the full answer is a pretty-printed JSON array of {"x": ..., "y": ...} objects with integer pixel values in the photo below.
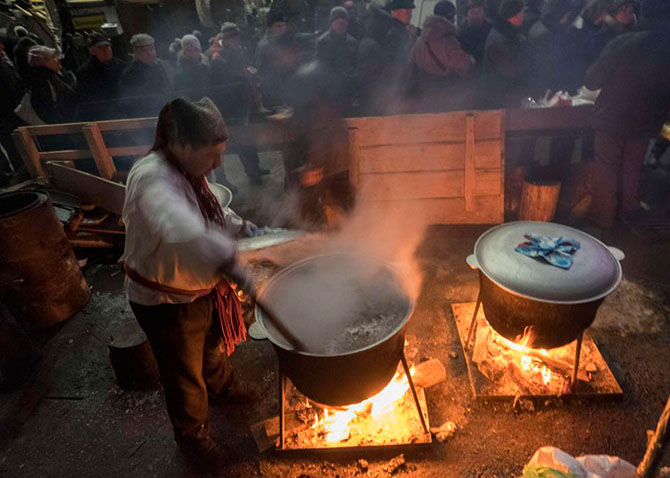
[
  {"x": 140, "y": 150},
  {"x": 126, "y": 124},
  {"x": 65, "y": 155},
  {"x": 96, "y": 143},
  {"x": 410, "y": 129},
  {"x": 88, "y": 187},
  {"x": 469, "y": 175},
  {"x": 447, "y": 210},
  {"x": 488, "y": 125},
  {"x": 414, "y": 185},
  {"x": 487, "y": 183},
  {"x": 28, "y": 151},
  {"x": 412, "y": 157},
  {"x": 487, "y": 153},
  {"x": 55, "y": 129}
]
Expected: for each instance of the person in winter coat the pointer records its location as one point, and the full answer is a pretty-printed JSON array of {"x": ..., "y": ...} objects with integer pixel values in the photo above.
[
  {"x": 276, "y": 59},
  {"x": 337, "y": 49},
  {"x": 146, "y": 74},
  {"x": 473, "y": 33},
  {"x": 383, "y": 55},
  {"x": 12, "y": 92},
  {"x": 634, "y": 73},
  {"x": 621, "y": 19},
  {"x": 192, "y": 66},
  {"x": 507, "y": 59},
  {"x": 52, "y": 97},
  {"x": 21, "y": 56},
  {"x": 441, "y": 66},
  {"x": 578, "y": 45},
  {"x": 545, "y": 38},
  {"x": 99, "y": 78},
  {"x": 234, "y": 79}
]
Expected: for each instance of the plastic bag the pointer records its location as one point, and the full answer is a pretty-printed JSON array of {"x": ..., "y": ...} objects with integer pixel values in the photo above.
[{"x": 550, "y": 459}]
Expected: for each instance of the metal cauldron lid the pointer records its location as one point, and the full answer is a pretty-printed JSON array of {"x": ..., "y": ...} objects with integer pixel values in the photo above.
[{"x": 594, "y": 274}]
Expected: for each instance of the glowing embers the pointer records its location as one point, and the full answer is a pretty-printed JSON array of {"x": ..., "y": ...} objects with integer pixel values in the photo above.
[
  {"x": 500, "y": 368},
  {"x": 387, "y": 419}
]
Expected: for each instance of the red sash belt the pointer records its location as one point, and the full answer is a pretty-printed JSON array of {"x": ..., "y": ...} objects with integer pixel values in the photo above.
[{"x": 226, "y": 302}]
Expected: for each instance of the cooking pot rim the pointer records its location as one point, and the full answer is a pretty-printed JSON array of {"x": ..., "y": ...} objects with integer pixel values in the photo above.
[
  {"x": 402, "y": 324},
  {"x": 599, "y": 296},
  {"x": 39, "y": 198}
]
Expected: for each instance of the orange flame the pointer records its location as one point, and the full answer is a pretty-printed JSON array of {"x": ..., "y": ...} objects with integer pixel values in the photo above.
[
  {"x": 336, "y": 423},
  {"x": 528, "y": 364}
]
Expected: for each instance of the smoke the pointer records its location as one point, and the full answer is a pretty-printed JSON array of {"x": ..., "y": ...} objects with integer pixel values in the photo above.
[{"x": 359, "y": 291}]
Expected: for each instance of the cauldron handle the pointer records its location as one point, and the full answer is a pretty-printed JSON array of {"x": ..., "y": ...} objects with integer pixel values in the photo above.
[
  {"x": 257, "y": 331},
  {"x": 618, "y": 254},
  {"x": 472, "y": 262}
]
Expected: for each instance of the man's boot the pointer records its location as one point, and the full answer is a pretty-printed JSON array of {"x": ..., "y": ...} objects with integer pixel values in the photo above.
[{"x": 203, "y": 451}]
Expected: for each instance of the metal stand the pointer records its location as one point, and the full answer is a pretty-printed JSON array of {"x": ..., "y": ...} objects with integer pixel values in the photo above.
[
  {"x": 473, "y": 328},
  {"x": 414, "y": 394},
  {"x": 282, "y": 401},
  {"x": 575, "y": 370}
]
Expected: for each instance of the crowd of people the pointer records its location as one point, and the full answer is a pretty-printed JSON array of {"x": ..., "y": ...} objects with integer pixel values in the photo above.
[{"x": 370, "y": 61}]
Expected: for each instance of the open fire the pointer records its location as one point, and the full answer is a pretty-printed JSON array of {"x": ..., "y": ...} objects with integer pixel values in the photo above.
[
  {"x": 369, "y": 417},
  {"x": 502, "y": 369}
]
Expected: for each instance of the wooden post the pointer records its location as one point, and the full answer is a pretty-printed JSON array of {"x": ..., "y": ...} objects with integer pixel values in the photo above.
[
  {"x": 96, "y": 144},
  {"x": 354, "y": 158},
  {"x": 657, "y": 445},
  {"x": 539, "y": 201},
  {"x": 470, "y": 172},
  {"x": 31, "y": 156}
]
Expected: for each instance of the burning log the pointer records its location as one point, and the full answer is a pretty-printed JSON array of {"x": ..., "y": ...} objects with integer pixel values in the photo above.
[
  {"x": 557, "y": 365},
  {"x": 429, "y": 373},
  {"x": 524, "y": 381}
]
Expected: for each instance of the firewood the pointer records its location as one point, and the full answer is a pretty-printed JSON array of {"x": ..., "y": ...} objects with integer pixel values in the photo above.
[
  {"x": 429, "y": 373},
  {"x": 524, "y": 382},
  {"x": 557, "y": 365},
  {"x": 654, "y": 454}
]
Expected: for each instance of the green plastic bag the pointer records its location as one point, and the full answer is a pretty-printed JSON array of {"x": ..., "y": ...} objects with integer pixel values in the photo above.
[{"x": 544, "y": 472}]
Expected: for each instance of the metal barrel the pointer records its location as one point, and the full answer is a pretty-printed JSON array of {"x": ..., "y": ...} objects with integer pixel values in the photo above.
[{"x": 40, "y": 278}]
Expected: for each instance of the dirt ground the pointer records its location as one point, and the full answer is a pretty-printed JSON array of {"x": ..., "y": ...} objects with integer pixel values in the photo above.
[{"x": 85, "y": 425}]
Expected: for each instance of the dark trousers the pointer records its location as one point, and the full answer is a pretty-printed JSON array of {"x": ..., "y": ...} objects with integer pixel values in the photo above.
[
  {"x": 617, "y": 171},
  {"x": 186, "y": 339}
]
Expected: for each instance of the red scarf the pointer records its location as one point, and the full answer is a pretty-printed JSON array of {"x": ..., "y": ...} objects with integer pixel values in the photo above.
[{"x": 226, "y": 301}]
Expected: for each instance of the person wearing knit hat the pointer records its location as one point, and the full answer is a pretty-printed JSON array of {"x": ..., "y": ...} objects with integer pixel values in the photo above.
[
  {"x": 146, "y": 74},
  {"x": 337, "y": 48},
  {"x": 276, "y": 21},
  {"x": 99, "y": 78},
  {"x": 179, "y": 258},
  {"x": 473, "y": 33},
  {"x": 621, "y": 19},
  {"x": 446, "y": 9},
  {"x": 231, "y": 70},
  {"x": 192, "y": 66},
  {"x": 632, "y": 73},
  {"x": 506, "y": 66},
  {"x": 52, "y": 96}
]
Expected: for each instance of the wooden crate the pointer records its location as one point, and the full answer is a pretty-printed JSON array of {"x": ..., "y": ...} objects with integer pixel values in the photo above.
[{"x": 447, "y": 167}]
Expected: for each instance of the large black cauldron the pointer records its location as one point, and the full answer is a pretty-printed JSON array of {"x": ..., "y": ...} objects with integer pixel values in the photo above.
[
  {"x": 519, "y": 292},
  {"x": 354, "y": 339}
]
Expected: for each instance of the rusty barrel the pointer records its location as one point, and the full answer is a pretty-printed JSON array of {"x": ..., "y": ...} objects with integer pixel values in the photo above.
[{"x": 40, "y": 278}]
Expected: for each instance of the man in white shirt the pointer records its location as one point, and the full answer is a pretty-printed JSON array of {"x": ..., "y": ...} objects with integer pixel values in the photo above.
[{"x": 179, "y": 247}]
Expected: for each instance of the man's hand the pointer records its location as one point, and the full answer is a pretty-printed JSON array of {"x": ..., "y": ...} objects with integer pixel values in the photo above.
[{"x": 249, "y": 229}]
